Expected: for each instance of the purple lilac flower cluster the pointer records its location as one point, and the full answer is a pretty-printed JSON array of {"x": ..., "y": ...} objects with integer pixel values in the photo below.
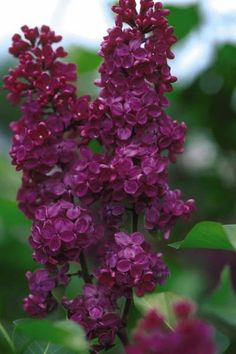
[
  {"x": 44, "y": 142},
  {"x": 60, "y": 231},
  {"x": 190, "y": 335},
  {"x": 40, "y": 301},
  {"x": 94, "y": 310},
  {"x": 129, "y": 118},
  {"x": 129, "y": 263},
  {"x": 80, "y": 201}
]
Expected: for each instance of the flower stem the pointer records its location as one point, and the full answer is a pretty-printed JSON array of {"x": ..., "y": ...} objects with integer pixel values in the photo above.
[
  {"x": 122, "y": 334},
  {"x": 84, "y": 269},
  {"x": 73, "y": 274},
  {"x": 134, "y": 221},
  {"x": 130, "y": 298},
  {"x": 126, "y": 310}
]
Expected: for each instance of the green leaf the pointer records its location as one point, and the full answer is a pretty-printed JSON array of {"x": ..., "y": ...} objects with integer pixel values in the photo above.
[
  {"x": 222, "y": 303},
  {"x": 95, "y": 146},
  {"x": 10, "y": 213},
  {"x": 25, "y": 345},
  {"x": 7, "y": 338},
  {"x": 208, "y": 234},
  {"x": 86, "y": 60},
  {"x": 45, "y": 348},
  {"x": 13, "y": 224},
  {"x": 9, "y": 178},
  {"x": 183, "y": 19},
  {"x": 58, "y": 293},
  {"x": 162, "y": 302},
  {"x": 222, "y": 342},
  {"x": 184, "y": 281},
  {"x": 65, "y": 333}
]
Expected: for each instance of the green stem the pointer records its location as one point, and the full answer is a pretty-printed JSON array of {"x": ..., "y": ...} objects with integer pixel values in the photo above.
[
  {"x": 122, "y": 334},
  {"x": 84, "y": 269},
  {"x": 135, "y": 221},
  {"x": 73, "y": 274}
]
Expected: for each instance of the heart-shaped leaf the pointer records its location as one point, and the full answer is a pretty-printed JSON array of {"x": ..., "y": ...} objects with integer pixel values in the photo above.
[
  {"x": 208, "y": 234},
  {"x": 46, "y": 348},
  {"x": 222, "y": 303},
  {"x": 65, "y": 333}
]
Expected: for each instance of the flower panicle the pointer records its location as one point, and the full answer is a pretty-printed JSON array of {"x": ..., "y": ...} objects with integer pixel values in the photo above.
[
  {"x": 79, "y": 200},
  {"x": 190, "y": 335}
]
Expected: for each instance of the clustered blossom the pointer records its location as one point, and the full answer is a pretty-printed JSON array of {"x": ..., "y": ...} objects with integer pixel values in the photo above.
[
  {"x": 60, "y": 231},
  {"x": 129, "y": 263},
  {"x": 129, "y": 118},
  {"x": 79, "y": 200},
  {"x": 94, "y": 310},
  {"x": 40, "y": 301},
  {"x": 44, "y": 141},
  {"x": 190, "y": 335}
]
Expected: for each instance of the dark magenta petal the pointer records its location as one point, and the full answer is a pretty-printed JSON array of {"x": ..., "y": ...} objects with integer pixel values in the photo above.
[
  {"x": 124, "y": 133},
  {"x": 129, "y": 253},
  {"x": 122, "y": 239},
  {"x": 96, "y": 313},
  {"x": 137, "y": 238},
  {"x": 73, "y": 213},
  {"x": 54, "y": 244},
  {"x": 67, "y": 236},
  {"x": 130, "y": 187},
  {"x": 123, "y": 265},
  {"x": 82, "y": 224}
]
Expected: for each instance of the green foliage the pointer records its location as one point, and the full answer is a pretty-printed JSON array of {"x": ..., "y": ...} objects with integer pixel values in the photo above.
[
  {"x": 65, "y": 333},
  {"x": 184, "y": 280},
  {"x": 87, "y": 62},
  {"x": 9, "y": 180},
  {"x": 95, "y": 146},
  {"x": 221, "y": 305},
  {"x": 11, "y": 218},
  {"x": 222, "y": 342},
  {"x": 7, "y": 338},
  {"x": 86, "y": 59},
  {"x": 183, "y": 19},
  {"x": 8, "y": 112},
  {"x": 15, "y": 254},
  {"x": 45, "y": 348},
  {"x": 210, "y": 234},
  {"x": 21, "y": 343},
  {"x": 208, "y": 103}
]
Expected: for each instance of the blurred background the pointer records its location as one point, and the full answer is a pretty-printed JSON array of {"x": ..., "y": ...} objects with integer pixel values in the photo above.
[{"x": 204, "y": 97}]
